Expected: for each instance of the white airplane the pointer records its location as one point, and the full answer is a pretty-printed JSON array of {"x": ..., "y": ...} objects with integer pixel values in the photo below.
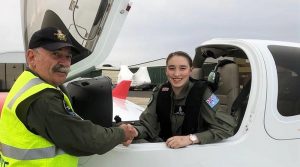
[{"x": 268, "y": 111}]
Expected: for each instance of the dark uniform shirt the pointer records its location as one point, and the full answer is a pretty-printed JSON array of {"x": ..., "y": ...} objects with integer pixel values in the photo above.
[
  {"x": 44, "y": 114},
  {"x": 220, "y": 124}
]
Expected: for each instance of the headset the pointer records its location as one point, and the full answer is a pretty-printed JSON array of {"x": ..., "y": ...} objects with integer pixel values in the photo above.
[{"x": 214, "y": 76}]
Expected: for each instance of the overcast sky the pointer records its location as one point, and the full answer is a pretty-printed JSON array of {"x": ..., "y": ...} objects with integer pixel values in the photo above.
[
  {"x": 154, "y": 28},
  {"x": 10, "y": 30}
]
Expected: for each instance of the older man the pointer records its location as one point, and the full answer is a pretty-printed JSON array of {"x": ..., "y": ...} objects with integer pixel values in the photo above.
[{"x": 38, "y": 126}]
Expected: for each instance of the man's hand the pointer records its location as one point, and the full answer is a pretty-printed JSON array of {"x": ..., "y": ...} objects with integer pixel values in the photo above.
[
  {"x": 178, "y": 141},
  {"x": 127, "y": 143},
  {"x": 130, "y": 133}
]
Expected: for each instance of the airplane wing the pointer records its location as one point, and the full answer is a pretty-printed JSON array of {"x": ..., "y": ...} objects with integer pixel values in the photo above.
[
  {"x": 122, "y": 89},
  {"x": 126, "y": 110},
  {"x": 123, "y": 108}
]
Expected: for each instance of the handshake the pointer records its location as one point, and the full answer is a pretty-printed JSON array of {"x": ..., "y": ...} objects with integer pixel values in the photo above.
[{"x": 130, "y": 133}]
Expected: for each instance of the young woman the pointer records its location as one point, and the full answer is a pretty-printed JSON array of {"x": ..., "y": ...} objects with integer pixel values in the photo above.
[{"x": 184, "y": 111}]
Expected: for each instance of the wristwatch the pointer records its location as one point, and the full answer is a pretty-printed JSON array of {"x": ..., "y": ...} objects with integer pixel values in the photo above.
[{"x": 193, "y": 138}]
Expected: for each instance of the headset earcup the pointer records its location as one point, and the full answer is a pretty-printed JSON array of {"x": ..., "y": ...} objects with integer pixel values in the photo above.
[
  {"x": 213, "y": 80},
  {"x": 211, "y": 77}
]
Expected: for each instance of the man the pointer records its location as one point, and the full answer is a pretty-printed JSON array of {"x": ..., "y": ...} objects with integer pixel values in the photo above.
[{"x": 38, "y": 126}]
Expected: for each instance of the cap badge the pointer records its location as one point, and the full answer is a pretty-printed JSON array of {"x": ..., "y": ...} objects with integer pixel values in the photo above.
[{"x": 60, "y": 36}]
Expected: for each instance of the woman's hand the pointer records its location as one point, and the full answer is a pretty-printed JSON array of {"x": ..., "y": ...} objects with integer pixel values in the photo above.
[{"x": 178, "y": 141}]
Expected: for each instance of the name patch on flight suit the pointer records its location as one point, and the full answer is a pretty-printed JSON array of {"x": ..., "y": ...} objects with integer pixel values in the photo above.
[
  {"x": 212, "y": 101},
  {"x": 165, "y": 89}
]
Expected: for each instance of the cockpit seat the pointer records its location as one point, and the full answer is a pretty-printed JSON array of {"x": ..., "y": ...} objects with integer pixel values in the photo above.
[{"x": 224, "y": 80}]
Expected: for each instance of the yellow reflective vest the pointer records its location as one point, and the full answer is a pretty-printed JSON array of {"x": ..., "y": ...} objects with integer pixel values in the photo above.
[{"x": 19, "y": 146}]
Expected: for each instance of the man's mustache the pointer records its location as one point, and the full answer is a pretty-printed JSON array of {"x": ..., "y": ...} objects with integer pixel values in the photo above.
[{"x": 61, "y": 68}]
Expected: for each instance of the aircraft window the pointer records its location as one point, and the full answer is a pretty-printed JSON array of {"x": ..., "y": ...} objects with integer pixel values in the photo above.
[
  {"x": 288, "y": 69},
  {"x": 83, "y": 19}
]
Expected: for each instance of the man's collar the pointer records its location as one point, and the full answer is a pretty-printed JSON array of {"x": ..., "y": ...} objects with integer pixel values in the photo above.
[{"x": 36, "y": 74}]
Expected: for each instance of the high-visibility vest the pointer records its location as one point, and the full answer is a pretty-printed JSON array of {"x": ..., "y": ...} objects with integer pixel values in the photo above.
[{"x": 19, "y": 146}]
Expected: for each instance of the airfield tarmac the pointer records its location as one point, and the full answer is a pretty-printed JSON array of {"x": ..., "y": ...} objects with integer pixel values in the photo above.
[{"x": 140, "y": 98}]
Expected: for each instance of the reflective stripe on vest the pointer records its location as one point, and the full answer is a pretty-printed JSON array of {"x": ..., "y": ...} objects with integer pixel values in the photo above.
[
  {"x": 28, "y": 85},
  {"x": 30, "y": 154}
]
